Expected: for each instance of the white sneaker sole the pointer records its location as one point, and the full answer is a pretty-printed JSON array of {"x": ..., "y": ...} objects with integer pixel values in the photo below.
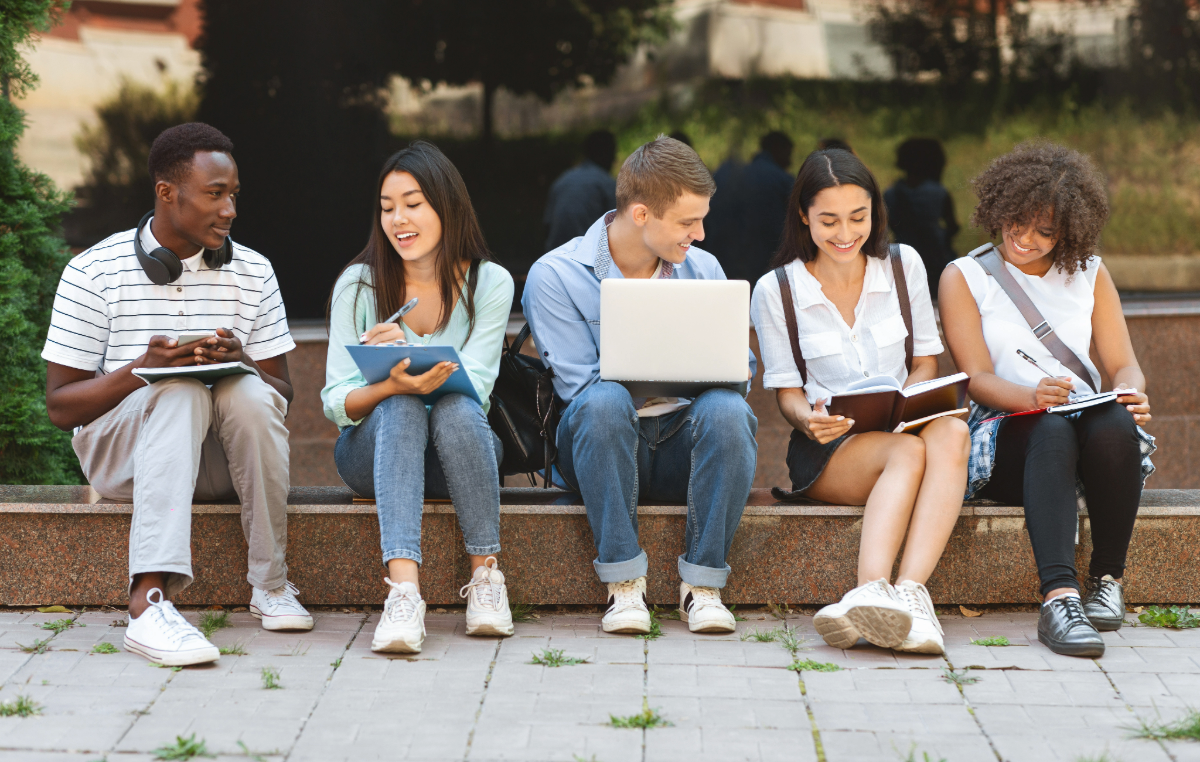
[
  {"x": 837, "y": 631},
  {"x": 628, "y": 625},
  {"x": 397, "y": 646},
  {"x": 881, "y": 626},
  {"x": 288, "y": 622},
  {"x": 930, "y": 646},
  {"x": 495, "y": 628},
  {"x": 712, "y": 625},
  {"x": 173, "y": 658}
]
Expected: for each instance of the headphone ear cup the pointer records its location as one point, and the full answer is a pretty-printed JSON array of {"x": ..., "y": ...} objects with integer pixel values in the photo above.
[
  {"x": 218, "y": 258},
  {"x": 161, "y": 266}
]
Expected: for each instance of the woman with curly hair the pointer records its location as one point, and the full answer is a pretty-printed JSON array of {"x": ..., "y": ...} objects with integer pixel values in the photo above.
[
  {"x": 1048, "y": 205},
  {"x": 833, "y": 267}
]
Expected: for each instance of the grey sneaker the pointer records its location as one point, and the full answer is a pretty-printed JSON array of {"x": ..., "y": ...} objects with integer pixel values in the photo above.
[
  {"x": 1064, "y": 629},
  {"x": 1104, "y": 603}
]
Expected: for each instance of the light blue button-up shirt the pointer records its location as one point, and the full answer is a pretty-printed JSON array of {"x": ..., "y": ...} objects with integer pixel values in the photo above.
[{"x": 562, "y": 304}]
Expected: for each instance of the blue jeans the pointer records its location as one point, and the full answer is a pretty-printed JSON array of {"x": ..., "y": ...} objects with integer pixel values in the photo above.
[
  {"x": 704, "y": 454},
  {"x": 403, "y": 452}
]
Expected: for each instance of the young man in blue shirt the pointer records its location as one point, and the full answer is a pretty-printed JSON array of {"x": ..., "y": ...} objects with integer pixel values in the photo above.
[{"x": 614, "y": 448}]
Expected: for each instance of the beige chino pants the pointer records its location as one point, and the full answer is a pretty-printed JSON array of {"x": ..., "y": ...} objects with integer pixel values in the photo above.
[{"x": 178, "y": 440}]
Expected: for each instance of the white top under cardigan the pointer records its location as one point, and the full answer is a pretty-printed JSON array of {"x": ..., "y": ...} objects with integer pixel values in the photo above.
[
  {"x": 1066, "y": 302},
  {"x": 838, "y": 354}
]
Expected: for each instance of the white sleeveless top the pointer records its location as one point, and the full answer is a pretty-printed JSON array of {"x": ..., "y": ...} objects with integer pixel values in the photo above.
[{"x": 1065, "y": 302}]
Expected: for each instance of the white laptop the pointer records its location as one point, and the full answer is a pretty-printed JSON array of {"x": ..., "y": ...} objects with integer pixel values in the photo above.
[{"x": 674, "y": 338}]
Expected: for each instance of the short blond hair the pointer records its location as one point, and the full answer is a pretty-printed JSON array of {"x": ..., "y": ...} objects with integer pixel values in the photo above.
[{"x": 659, "y": 172}]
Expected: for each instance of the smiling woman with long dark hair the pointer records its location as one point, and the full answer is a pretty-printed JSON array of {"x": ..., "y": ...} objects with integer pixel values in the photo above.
[{"x": 426, "y": 243}]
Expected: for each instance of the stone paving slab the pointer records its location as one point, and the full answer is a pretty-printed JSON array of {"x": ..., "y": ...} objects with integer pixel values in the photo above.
[{"x": 727, "y": 698}]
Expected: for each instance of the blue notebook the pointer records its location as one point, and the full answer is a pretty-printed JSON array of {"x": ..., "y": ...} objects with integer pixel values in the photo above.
[{"x": 377, "y": 360}]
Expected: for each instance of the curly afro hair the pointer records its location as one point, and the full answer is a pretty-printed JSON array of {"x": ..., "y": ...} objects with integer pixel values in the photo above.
[
  {"x": 1039, "y": 177},
  {"x": 172, "y": 152}
]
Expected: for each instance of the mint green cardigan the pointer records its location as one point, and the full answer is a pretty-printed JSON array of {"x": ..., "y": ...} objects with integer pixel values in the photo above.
[{"x": 480, "y": 354}]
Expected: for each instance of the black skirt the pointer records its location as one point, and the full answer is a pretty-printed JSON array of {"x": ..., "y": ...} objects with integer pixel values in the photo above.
[{"x": 806, "y": 461}]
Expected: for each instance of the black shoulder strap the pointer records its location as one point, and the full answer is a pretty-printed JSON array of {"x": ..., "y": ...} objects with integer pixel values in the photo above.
[
  {"x": 789, "y": 315},
  {"x": 991, "y": 261},
  {"x": 905, "y": 303}
]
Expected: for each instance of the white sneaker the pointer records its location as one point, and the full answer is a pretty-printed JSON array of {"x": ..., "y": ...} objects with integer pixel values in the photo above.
[
  {"x": 163, "y": 636},
  {"x": 627, "y": 610},
  {"x": 872, "y": 610},
  {"x": 279, "y": 610},
  {"x": 401, "y": 627},
  {"x": 703, "y": 611},
  {"x": 925, "y": 637},
  {"x": 487, "y": 601}
]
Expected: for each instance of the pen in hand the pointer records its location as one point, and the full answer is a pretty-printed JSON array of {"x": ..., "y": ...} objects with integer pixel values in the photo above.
[
  {"x": 1034, "y": 363},
  {"x": 399, "y": 314}
]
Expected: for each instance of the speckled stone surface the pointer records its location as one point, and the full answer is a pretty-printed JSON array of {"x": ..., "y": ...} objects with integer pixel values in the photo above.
[
  {"x": 57, "y": 546},
  {"x": 1168, "y": 349}
]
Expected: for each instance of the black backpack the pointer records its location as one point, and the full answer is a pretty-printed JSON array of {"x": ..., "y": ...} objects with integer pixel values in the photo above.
[{"x": 524, "y": 411}]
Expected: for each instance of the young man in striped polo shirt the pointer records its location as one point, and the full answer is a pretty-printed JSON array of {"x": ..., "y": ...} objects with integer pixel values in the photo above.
[{"x": 122, "y": 305}]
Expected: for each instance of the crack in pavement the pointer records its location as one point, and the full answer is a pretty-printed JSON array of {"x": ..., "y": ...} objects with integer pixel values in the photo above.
[
  {"x": 1130, "y": 708},
  {"x": 479, "y": 712},
  {"x": 971, "y": 710}
]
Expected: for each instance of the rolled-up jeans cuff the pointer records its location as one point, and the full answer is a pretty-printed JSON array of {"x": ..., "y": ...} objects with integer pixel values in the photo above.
[
  {"x": 483, "y": 550},
  {"x": 702, "y": 576},
  {"x": 623, "y": 570},
  {"x": 411, "y": 555}
]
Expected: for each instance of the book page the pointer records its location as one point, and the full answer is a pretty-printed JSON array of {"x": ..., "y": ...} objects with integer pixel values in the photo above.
[{"x": 934, "y": 383}]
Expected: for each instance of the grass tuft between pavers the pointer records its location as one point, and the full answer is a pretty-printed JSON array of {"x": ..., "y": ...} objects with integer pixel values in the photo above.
[
  {"x": 645, "y": 719},
  {"x": 1186, "y": 728},
  {"x": 1173, "y": 617},
  {"x": 37, "y": 647},
  {"x": 104, "y": 648},
  {"x": 211, "y": 621},
  {"x": 959, "y": 677},
  {"x": 655, "y": 628},
  {"x": 556, "y": 657},
  {"x": 237, "y": 649},
  {"x": 991, "y": 640},
  {"x": 21, "y": 706},
  {"x": 58, "y": 626},
  {"x": 808, "y": 665},
  {"x": 183, "y": 748},
  {"x": 270, "y": 679}
]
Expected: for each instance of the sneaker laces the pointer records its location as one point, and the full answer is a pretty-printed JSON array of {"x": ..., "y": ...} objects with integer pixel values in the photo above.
[
  {"x": 170, "y": 622},
  {"x": 625, "y": 596},
  {"x": 1101, "y": 587},
  {"x": 874, "y": 587},
  {"x": 916, "y": 598},
  {"x": 487, "y": 592},
  {"x": 401, "y": 607},
  {"x": 705, "y": 597},
  {"x": 284, "y": 595},
  {"x": 1071, "y": 609}
]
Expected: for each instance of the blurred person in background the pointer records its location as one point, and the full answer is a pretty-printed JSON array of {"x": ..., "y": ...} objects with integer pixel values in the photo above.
[
  {"x": 748, "y": 210},
  {"x": 584, "y": 192},
  {"x": 920, "y": 209}
]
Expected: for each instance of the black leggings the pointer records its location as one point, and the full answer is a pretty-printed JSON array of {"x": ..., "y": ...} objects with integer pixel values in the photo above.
[{"x": 1037, "y": 458}]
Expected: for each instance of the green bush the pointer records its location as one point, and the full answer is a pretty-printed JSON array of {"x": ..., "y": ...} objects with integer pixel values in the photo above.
[{"x": 32, "y": 257}]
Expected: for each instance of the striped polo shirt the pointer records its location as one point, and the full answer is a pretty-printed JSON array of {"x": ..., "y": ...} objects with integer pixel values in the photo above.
[{"x": 106, "y": 308}]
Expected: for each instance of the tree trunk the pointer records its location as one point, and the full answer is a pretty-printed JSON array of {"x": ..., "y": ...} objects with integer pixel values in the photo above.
[{"x": 489, "y": 105}]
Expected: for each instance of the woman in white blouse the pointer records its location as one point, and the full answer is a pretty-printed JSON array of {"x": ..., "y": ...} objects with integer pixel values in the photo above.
[
  {"x": 1049, "y": 204},
  {"x": 834, "y": 252}
]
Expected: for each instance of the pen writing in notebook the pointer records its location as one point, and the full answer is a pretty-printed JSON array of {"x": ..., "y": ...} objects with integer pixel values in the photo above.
[{"x": 399, "y": 314}]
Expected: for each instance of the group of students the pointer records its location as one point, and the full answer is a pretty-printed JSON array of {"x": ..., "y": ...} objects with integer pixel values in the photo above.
[{"x": 830, "y": 311}]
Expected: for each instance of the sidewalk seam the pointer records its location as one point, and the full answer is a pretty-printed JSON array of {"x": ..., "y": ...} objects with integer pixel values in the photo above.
[
  {"x": 971, "y": 710},
  {"x": 317, "y": 701},
  {"x": 479, "y": 712},
  {"x": 1130, "y": 709}
]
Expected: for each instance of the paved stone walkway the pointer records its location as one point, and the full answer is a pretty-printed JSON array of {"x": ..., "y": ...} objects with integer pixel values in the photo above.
[{"x": 480, "y": 699}]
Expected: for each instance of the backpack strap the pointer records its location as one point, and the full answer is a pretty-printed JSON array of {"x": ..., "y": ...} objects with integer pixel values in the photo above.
[
  {"x": 905, "y": 303},
  {"x": 789, "y": 315},
  {"x": 991, "y": 261}
]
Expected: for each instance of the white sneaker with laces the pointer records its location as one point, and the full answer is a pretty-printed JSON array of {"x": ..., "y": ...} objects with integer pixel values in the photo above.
[
  {"x": 279, "y": 610},
  {"x": 925, "y": 637},
  {"x": 163, "y": 636},
  {"x": 627, "y": 610},
  {"x": 401, "y": 627},
  {"x": 703, "y": 611},
  {"x": 872, "y": 610},
  {"x": 487, "y": 601}
]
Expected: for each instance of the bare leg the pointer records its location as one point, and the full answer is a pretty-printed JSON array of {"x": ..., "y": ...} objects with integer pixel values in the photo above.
[
  {"x": 142, "y": 584},
  {"x": 477, "y": 561},
  {"x": 407, "y": 570},
  {"x": 882, "y": 471},
  {"x": 939, "y": 501}
]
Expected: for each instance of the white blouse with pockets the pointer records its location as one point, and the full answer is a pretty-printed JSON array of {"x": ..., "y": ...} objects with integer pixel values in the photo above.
[{"x": 838, "y": 354}]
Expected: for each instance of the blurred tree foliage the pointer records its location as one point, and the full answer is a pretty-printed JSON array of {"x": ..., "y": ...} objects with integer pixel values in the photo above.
[
  {"x": 32, "y": 257},
  {"x": 118, "y": 191},
  {"x": 300, "y": 90},
  {"x": 536, "y": 46}
]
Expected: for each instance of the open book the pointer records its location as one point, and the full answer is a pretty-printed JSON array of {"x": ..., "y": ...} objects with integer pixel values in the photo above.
[
  {"x": 206, "y": 373},
  {"x": 879, "y": 404}
]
